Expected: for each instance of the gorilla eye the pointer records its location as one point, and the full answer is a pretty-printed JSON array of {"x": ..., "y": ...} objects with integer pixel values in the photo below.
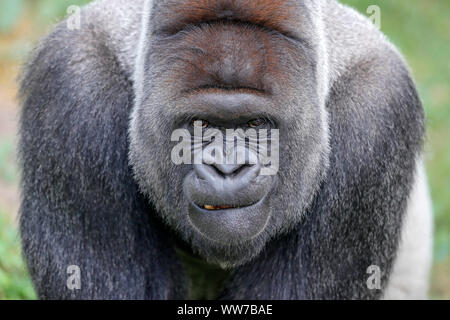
[
  {"x": 256, "y": 123},
  {"x": 200, "y": 123}
]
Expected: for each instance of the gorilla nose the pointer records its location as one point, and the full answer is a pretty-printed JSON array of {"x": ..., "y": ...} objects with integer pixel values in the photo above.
[
  {"x": 230, "y": 177},
  {"x": 228, "y": 169}
]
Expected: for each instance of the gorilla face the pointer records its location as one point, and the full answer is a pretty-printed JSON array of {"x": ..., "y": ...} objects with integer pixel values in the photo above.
[{"x": 227, "y": 74}]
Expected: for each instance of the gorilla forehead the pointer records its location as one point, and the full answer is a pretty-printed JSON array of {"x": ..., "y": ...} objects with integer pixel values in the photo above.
[
  {"x": 286, "y": 16},
  {"x": 233, "y": 55},
  {"x": 230, "y": 57},
  {"x": 191, "y": 44}
]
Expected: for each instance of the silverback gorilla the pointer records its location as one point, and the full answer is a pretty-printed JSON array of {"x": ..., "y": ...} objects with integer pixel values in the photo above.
[{"x": 101, "y": 192}]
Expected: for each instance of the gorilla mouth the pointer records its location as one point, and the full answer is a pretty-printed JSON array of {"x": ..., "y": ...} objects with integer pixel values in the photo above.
[
  {"x": 210, "y": 207},
  {"x": 224, "y": 207}
]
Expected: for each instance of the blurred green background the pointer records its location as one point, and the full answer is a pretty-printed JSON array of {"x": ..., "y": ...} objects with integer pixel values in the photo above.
[{"x": 420, "y": 28}]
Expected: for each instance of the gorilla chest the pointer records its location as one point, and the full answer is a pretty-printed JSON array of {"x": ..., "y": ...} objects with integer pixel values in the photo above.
[{"x": 205, "y": 281}]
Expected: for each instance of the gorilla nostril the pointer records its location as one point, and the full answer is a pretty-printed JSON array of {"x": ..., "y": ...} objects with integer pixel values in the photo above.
[
  {"x": 228, "y": 169},
  {"x": 216, "y": 174}
]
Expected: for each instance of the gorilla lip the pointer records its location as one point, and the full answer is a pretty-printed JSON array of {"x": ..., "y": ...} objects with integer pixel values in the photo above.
[{"x": 210, "y": 207}]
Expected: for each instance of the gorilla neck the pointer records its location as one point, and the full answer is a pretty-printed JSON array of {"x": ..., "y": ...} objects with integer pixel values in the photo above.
[{"x": 205, "y": 280}]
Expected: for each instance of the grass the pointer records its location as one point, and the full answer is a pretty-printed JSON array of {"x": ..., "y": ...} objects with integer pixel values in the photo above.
[
  {"x": 14, "y": 281},
  {"x": 8, "y": 170},
  {"x": 421, "y": 29}
]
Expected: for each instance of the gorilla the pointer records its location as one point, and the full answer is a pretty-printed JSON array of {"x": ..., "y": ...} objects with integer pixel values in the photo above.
[{"x": 100, "y": 190}]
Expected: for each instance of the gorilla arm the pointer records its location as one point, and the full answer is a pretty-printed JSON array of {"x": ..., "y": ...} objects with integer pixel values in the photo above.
[
  {"x": 376, "y": 129},
  {"x": 80, "y": 205}
]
